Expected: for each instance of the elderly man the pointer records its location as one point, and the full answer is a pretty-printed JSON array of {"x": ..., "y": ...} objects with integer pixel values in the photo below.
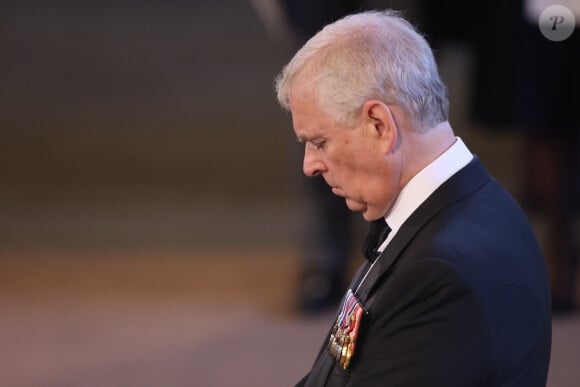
[{"x": 454, "y": 291}]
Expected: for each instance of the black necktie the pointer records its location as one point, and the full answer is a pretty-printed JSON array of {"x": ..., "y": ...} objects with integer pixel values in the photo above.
[{"x": 377, "y": 235}]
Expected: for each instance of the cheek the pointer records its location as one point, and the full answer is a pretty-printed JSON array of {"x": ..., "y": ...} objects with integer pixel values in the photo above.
[
  {"x": 376, "y": 183},
  {"x": 368, "y": 175},
  {"x": 354, "y": 167}
]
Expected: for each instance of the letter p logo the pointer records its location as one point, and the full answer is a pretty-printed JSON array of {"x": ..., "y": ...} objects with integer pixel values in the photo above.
[
  {"x": 557, "y": 20},
  {"x": 557, "y": 23}
]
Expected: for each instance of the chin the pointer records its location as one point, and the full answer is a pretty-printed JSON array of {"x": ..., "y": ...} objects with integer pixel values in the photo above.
[
  {"x": 356, "y": 206},
  {"x": 369, "y": 216}
]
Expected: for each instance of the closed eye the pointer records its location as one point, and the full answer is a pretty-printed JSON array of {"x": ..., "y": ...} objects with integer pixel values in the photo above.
[{"x": 319, "y": 144}]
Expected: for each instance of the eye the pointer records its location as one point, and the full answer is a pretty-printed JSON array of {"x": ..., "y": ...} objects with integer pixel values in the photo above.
[{"x": 319, "y": 144}]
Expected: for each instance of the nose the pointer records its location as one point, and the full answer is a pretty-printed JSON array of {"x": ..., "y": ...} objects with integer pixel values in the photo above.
[{"x": 312, "y": 165}]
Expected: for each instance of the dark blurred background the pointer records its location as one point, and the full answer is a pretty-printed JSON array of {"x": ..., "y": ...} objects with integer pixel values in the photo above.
[
  {"x": 130, "y": 109},
  {"x": 150, "y": 204}
]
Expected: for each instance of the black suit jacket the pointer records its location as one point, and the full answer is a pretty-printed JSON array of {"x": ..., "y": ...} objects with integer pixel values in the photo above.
[{"x": 460, "y": 297}]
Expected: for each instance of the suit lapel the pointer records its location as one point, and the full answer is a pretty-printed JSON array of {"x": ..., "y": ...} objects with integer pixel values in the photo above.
[{"x": 463, "y": 183}]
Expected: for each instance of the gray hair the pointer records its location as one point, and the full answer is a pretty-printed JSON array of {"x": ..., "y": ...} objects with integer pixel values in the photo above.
[{"x": 370, "y": 55}]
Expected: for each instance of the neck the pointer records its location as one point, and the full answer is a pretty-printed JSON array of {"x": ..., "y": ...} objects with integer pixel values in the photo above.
[{"x": 420, "y": 149}]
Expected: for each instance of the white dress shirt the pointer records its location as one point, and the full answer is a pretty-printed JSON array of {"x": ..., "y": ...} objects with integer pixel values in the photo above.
[{"x": 423, "y": 184}]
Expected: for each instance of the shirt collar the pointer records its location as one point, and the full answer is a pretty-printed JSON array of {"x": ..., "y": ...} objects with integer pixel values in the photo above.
[{"x": 423, "y": 184}]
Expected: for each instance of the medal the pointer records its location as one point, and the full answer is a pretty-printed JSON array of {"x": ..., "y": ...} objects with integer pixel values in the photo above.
[{"x": 341, "y": 344}]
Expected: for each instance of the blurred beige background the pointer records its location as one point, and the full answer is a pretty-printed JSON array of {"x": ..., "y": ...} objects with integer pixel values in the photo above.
[{"x": 149, "y": 200}]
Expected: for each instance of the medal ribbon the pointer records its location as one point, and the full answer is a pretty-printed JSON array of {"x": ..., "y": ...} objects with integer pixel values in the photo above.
[{"x": 344, "y": 334}]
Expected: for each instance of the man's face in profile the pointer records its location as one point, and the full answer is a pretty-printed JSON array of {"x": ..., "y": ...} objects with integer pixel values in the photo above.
[{"x": 349, "y": 159}]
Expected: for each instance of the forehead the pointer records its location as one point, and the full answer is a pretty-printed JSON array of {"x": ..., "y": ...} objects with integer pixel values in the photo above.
[
  {"x": 302, "y": 93},
  {"x": 307, "y": 116}
]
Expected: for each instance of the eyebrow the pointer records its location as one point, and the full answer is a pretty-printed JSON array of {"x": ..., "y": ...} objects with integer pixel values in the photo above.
[{"x": 305, "y": 139}]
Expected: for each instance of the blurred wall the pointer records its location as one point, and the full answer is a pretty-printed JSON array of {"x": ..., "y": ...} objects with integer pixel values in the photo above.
[
  {"x": 128, "y": 98},
  {"x": 121, "y": 104}
]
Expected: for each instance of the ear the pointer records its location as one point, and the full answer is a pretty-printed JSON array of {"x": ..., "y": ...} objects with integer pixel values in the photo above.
[{"x": 379, "y": 120}]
